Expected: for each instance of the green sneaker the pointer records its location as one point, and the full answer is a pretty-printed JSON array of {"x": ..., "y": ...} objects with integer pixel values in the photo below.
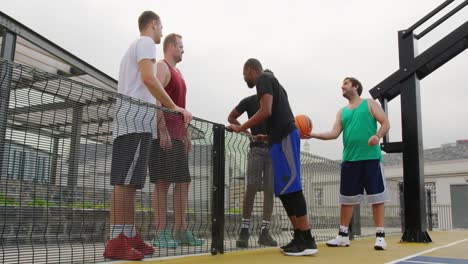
[
  {"x": 165, "y": 240},
  {"x": 187, "y": 238}
]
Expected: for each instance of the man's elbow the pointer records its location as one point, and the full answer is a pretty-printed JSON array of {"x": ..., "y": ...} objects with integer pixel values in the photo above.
[
  {"x": 147, "y": 80},
  {"x": 266, "y": 114},
  {"x": 263, "y": 116},
  {"x": 335, "y": 134},
  {"x": 386, "y": 123}
]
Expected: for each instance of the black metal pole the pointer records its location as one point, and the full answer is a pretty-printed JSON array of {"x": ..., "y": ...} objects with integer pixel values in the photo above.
[
  {"x": 6, "y": 70},
  {"x": 410, "y": 30},
  {"x": 442, "y": 19},
  {"x": 217, "y": 210},
  {"x": 384, "y": 104},
  {"x": 413, "y": 164}
]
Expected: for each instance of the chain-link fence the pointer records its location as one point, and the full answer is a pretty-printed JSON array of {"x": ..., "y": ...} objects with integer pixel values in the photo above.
[{"x": 321, "y": 185}]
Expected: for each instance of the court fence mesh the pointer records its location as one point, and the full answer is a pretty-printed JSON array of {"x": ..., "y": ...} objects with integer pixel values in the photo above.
[{"x": 57, "y": 141}]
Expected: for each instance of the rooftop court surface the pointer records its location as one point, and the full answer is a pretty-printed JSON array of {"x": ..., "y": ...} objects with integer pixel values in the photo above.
[{"x": 448, "y": 247}]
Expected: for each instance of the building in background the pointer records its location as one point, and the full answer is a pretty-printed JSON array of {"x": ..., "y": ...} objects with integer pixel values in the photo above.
[{"x": 445, "y": 170}]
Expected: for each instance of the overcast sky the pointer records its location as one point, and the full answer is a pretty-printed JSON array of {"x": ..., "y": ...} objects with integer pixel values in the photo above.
[{"x": 310, "y": 46}]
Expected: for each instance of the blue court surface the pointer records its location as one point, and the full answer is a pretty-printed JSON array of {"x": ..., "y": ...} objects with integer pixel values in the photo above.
[{"x": 434, "y": 260}]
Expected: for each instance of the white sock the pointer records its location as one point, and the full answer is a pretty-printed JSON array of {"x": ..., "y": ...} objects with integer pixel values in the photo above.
[
  {"x": 116, "y": 230},
  {"x": 265, "y": 224},
  {"x": 245, "y": 223},
  {"x": 380, "y": 230},
  {"x": 129, "y": 230},
  {"x": 344, "y": 229}
]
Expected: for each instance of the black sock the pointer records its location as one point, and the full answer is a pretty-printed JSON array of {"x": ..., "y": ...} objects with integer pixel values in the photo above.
[
  {"x": 306, "y": 235},
  {"x": 343, "y": 234},
  {"x": 297, "y": 233}
]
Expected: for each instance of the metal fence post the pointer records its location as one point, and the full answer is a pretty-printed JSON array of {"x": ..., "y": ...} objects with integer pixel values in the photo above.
[
  {"x": 355, "y": 225},
  {"x": 217, "y": 213},
  {"x": 6, "y": 71},
  {"x": 429, "y": 209},
  {"x": 74, "y": 155},
  {"x": 402, "y": 205}
]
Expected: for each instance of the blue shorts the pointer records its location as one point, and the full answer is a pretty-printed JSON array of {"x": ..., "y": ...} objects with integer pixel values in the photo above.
[
  {"x": 357, "y": 176},
  {"x": 286, "y": 161}
]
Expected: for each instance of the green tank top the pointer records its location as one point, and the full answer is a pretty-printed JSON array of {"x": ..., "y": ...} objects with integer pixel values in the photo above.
[{"x": 358, "y": 126}]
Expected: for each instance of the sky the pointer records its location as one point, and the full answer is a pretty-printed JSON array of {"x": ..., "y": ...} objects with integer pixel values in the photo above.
[{"x": 309, "y": 45}]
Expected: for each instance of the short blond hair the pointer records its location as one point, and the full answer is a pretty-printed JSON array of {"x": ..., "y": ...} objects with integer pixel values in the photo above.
[{"x": 170, "y": 39}]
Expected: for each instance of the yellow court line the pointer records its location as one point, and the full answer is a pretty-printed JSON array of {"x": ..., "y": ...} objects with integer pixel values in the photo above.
[{"x": 361, "y": 251}]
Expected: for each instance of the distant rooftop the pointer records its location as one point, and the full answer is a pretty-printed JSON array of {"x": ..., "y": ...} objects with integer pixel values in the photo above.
[
  {"x": 32, "y": 49},
  {"x": 451, "y": 151}
]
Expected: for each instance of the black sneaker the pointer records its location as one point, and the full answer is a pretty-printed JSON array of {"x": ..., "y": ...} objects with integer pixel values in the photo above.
[
  {"x": 295, "y": 236},
  {"x": 243, "y": 240},
  {"x": 303, "y": 246},
  {"x": 265, "y": 239}
]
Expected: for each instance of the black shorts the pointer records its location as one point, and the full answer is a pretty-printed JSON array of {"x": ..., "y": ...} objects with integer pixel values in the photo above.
[
  {"x": 130, "y": 154},
  {"x": 170, "y": 165}
]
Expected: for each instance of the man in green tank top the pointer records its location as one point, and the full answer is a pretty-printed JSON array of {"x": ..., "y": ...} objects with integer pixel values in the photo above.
[{"x": 361, "y": 167}]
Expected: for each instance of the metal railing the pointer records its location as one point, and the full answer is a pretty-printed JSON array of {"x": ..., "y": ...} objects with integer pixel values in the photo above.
[{"x": 55, "y": 191}]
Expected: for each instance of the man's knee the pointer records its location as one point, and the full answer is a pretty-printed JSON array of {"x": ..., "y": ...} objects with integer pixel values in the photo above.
[{"x": 294, "y": 204}]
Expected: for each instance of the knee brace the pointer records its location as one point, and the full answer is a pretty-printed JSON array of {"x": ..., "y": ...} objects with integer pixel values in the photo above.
[
  {"x": 301, "y": 207},
  {"x": 294, "y": 204},
  {"x": 288, "y": 205}
]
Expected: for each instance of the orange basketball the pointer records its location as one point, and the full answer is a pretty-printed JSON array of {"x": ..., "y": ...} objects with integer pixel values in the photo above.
[{"x": 304, "y": 124}]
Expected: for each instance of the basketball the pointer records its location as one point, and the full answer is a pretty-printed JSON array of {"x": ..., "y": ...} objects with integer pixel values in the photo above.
[{"x": 304, "y": 124}]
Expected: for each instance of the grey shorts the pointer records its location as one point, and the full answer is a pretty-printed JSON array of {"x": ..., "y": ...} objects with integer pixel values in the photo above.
[{"x": 259, "y": 170}]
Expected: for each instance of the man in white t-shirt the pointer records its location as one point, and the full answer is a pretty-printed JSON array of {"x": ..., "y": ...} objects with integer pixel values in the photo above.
[{"x": 134, "y": 127}]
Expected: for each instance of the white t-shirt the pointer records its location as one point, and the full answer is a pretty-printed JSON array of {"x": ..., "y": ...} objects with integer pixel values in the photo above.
[{"x": 130, "y": 115}]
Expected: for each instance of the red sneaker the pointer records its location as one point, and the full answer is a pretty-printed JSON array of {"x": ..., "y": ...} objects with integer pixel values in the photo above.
[
  {"x": 120, "y": 248},
  {"x": 140, "y": 245}
]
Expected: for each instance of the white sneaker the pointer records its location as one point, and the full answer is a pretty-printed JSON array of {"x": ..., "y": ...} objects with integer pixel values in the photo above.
[
  {"x": 339, "y": 241},
  {"x": 380, "y": 243}
]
